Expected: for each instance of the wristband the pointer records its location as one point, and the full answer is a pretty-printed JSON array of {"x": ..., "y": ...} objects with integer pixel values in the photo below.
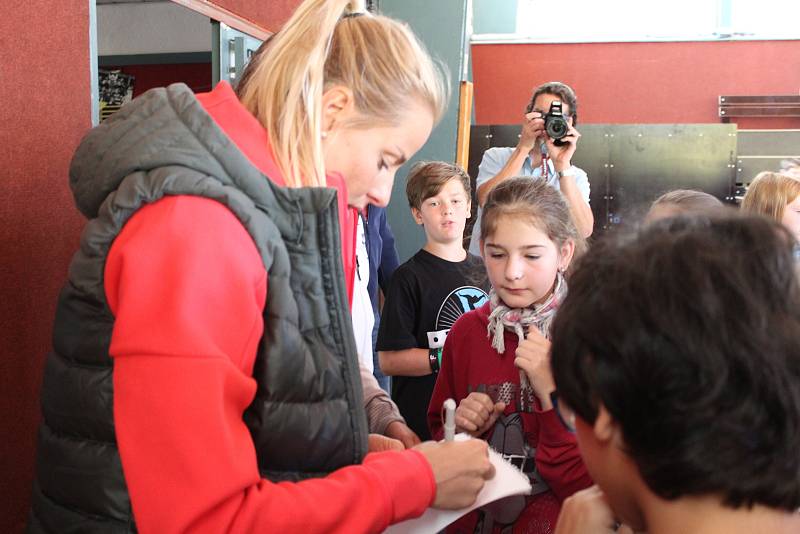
[
  {"x": 569, "y": 171},
  {"x": 435, "y": 359}
]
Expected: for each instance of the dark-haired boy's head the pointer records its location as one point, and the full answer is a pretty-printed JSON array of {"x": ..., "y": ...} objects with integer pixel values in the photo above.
[
  {"x": 427, "y": 178},
  {"x": 687, "y": 338}
]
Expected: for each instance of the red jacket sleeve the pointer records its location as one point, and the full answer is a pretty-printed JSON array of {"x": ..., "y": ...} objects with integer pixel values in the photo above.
[
  {"x": 187, "y": 288},
  {"x": 558, "y": 458}
]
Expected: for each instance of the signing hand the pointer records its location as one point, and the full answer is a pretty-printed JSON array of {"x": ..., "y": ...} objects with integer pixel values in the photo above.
[
  {"x": 460, "y": 469},
  {"x": 533, "y": 357},
  {"x": 477, "y": 413}
]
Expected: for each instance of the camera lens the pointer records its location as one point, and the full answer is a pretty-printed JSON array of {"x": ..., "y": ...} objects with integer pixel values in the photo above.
[{"x": 556, "y": 127}]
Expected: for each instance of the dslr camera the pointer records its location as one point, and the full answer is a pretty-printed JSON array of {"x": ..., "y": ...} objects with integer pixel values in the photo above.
[{"x": 555, "y": 123}]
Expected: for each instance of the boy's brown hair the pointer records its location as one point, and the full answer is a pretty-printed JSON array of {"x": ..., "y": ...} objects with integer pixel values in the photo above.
[{"x": 427, "y": 178}]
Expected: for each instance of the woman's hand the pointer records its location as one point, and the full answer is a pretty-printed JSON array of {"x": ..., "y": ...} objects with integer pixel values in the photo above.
[
  {"x": 533, "y": 357},
  {"x": 380, "y": 443},
  {"x": 460, "y": 469},
  {"x": 477, "y": 413},
  {"x": 562, "y": 154},
  {"x": 400, "y": 431},
  {"x": 532, "y": 129}
]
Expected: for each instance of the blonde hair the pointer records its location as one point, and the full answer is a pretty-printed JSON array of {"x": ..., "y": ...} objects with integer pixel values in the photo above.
[
  {"x": 769, "y": 193},
  {"x": 538, "y": 202},
  {"x": 327, "y": 43}
]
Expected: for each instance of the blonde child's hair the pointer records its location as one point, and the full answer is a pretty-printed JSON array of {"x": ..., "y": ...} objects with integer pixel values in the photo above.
[
  {"x": 534, "y": 200},
  {"x": 769, "y": 193},
  {"x": 427, "y": 178},
  {"x": 327, "y": 43}
]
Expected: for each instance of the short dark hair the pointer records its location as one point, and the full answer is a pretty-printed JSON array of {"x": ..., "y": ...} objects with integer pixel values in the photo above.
[
  {"x": 426, "y": 179},
  {"x": 561, "y": 90},
  {"x": 689, "y": 334}
]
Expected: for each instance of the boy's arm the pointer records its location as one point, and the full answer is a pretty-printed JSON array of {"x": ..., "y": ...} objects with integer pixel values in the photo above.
[
  {"x": 399, "y": 352},
  {"x": 407, "y": 362}
]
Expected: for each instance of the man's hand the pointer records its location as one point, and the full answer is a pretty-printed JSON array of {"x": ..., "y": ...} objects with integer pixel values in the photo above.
[
  {"x": 460, "y": 469},
  {"x": 379, "y": 443},
  {"x": 477, "y": 413},
  {"x": 562, "y": 155},
  {"x": 400, "y": 431},
  {"x": 532, "y": 129},
  {"x": 533, "y": 357}
]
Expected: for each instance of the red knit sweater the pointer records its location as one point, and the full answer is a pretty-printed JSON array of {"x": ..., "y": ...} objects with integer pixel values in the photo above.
[
  {"x": 184, "y": 346},
  {"x": 469, "y": 363}
]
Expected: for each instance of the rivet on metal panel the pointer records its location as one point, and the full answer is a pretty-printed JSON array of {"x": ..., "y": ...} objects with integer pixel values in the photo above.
[
  {"x": 638, "y": 135},
  {"x": 605, "y": 165},
  {"x": 612, "y": 165},
  {"x": 701, "y": 135}
]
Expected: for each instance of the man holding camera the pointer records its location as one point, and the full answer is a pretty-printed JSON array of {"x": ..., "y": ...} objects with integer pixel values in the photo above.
[{"x": 545, "y": 149}]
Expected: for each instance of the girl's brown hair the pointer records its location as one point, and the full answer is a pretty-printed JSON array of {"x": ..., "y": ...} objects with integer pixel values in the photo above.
[
  {"x": 769, "y": 193},
  {"x": 538, "y": 202},
  {"x": 327, "y": 43}
]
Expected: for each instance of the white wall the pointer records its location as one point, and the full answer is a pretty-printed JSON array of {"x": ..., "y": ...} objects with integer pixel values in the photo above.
[{"x": 150, "y": 28}]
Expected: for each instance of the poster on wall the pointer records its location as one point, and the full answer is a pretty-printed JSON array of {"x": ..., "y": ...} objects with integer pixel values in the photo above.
[{"x": 116, "y": 89}]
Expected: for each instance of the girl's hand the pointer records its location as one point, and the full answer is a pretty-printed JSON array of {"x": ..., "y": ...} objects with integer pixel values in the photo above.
[
  {"x": 533, "y": 357},
  {"x": 477, "y": 413}
]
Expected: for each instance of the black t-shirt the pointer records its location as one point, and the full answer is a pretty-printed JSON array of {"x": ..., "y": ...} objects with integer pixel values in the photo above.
[{"x": 426, "y": 295}]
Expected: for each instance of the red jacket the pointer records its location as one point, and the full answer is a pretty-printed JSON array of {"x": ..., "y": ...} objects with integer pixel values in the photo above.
[
  {"x": 184, "y": 348},
  {"x": 469, "y": 363}
]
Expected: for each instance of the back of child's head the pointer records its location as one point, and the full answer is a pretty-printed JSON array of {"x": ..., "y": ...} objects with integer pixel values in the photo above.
[
  {"x": 535, "y": 201},
  {"x": 427, "y": 178},
  {"x": 327, "y": 43},
  {"x": 683, "y": 202},
  {"x": 687, "y": 334},
  {"x": 769, "y": 193}
]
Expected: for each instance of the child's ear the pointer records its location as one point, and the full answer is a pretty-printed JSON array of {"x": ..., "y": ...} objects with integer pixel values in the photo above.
[
  {"x": 469, "y": 207},
  {"x": 417, "y": 216},
  {"x": 565, "y": 254},
  {"x": 335, "y": 100},
  {"x": 604, "y": 427},
  {"x": 480, "y": 244}
]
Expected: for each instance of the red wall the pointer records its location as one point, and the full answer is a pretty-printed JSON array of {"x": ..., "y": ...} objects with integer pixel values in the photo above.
[
  {"x": 267, "y": 14},
  {"x": 674, "y": 82},
  {"x": 44, "y": 91}
]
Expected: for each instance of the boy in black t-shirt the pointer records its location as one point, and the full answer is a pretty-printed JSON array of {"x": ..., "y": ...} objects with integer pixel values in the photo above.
[{"x": 430, "y": 291}]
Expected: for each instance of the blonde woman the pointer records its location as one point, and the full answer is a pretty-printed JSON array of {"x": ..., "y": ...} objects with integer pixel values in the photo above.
[
  {"x": 777, "y": 196},
  {"x": 204, "y": 375}
]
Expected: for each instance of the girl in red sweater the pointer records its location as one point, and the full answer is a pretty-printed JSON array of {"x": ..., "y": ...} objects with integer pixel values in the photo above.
[{"x": 496, "y": 364}]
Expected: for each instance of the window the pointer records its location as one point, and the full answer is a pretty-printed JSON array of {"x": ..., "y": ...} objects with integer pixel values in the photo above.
[{"x": 635, "y": 20}]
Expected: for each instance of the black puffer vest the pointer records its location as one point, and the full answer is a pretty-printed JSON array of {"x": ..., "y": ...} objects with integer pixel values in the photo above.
[{"x": 307, "y": 418}]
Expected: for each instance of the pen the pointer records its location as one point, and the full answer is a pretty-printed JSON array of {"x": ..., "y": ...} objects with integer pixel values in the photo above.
[{"x": 449, "y": 419}]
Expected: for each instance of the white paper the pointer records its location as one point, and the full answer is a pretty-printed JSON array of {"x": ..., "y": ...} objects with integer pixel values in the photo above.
[{"x": 507, "y": 481}]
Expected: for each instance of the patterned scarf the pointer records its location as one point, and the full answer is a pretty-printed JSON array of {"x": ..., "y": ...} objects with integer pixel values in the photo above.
[{"x": 519, "y": 321}]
